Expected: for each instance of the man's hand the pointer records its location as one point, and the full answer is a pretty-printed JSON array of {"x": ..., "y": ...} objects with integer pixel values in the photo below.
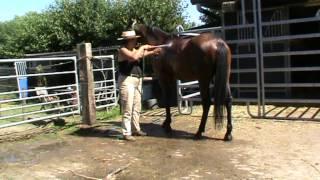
[
  {"x": 145, "y": 47},
  {"x": 149, "y": 47},
  {"x": 157, "y": 51}
]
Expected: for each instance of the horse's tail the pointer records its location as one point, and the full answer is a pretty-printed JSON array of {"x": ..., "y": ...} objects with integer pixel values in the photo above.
[{"x": 220, "y": 83}]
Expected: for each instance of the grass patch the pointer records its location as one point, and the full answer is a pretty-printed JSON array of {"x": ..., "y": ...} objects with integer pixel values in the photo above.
[
  {"x": 8, "y": 96},
  {"x": 73, "y": 123},
  {"x": 51, "y": 131},
  {"x": 112, "y": 113},
  {"x": 21, "y": 111}
]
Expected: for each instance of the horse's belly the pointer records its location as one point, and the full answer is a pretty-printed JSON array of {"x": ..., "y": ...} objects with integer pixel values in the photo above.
[{"x": 187, "y": 73}]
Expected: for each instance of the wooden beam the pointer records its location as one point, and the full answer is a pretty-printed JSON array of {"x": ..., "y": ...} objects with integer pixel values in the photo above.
[{"x": 87, "y": 97}]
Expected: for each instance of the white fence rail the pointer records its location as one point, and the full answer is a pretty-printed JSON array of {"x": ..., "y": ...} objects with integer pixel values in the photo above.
[
  {"x": 104, "y": 80},
  {"x": 38, "y": 103},
  {"x": 274, "y": 58}
]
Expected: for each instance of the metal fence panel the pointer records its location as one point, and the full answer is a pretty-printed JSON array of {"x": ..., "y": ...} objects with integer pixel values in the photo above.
[
  {"x": 38, "y": 101},
  {"x": 242, "y": 36},
  {"x": 285, "y": 53},
  {"x": 104, "y": 80},
  {"x": 297, "y": 68}
]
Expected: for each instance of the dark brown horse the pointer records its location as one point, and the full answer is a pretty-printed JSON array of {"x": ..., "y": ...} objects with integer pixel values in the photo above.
[{"x": 201, "y": 58}]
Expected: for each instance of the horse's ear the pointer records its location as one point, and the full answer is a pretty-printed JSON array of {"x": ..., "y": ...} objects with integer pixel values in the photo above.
[
  {"x": 140, "y": 28},
  {"x": 136, "y": 27},
  {"x": 133, "y": 24}
]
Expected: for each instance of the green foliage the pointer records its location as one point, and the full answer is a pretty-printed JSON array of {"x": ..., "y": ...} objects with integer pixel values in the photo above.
[
  {"x": 80, "y": 21},
  {"x": 68, "y": 22},
  {"x": 166, "y": 14},
  {"x": 110, "y": 114},
  {"x": 8, "y": 42}
]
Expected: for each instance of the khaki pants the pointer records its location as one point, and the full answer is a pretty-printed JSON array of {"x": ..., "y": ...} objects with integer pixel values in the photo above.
[{"x": 130, "y": 96}]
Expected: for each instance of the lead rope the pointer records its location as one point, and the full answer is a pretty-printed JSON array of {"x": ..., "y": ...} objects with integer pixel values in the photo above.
[{"x": 143, "y": 67}]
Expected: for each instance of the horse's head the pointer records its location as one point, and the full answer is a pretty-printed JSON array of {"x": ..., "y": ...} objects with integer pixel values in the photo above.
[{"x": 153, "y": 35}]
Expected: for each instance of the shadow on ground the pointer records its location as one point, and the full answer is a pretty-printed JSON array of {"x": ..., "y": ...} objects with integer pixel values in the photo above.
[{"x": 112, "y": 129}]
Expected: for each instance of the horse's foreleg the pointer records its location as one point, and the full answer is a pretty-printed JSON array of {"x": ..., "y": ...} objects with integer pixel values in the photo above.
[
  {"x": 205, "y": 98},
  {"x": 228, "y": 135},
  {"x": 167, "y": 123}
]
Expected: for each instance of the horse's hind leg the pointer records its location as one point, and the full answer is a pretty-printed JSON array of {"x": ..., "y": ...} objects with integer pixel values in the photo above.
[
  {"x": 228, "y": 135},
  {"x": 205, "y": 98}
]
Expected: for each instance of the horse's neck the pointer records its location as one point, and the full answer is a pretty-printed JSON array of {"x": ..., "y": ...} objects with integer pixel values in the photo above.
[{"x": 161, "y": 35}]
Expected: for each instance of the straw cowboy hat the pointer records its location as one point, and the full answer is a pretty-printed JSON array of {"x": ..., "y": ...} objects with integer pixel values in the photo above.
[{"x": 128, "y": 35}]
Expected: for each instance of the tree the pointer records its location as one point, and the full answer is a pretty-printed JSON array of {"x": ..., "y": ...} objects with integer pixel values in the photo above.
[
  {"x": 30, "y": 33},
  {"x": 81, "y": 21},
  {"x": 100, "y": 21},
  {"x": 7, "y": 39},
  {"x": 166, "y": 14},
  {"x": 68, "y": 22}
]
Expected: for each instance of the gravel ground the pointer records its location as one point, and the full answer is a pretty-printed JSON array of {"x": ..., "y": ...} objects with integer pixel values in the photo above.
[{"x": 261, "y": 149}]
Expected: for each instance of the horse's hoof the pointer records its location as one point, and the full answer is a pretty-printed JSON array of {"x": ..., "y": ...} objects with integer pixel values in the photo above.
[
  {"x": 169, "y": 134},
  {"x": 228, "y": 137},
  {"x": 198, "y": 136},
  {"x": 167, "y": 129}
]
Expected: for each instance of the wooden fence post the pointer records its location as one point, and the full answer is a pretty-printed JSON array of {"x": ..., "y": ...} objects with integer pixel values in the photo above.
[{"x": 87, "y": 97}]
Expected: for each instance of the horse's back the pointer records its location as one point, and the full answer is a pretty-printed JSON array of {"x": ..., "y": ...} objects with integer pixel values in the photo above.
[{"x": 195, "y": 60}]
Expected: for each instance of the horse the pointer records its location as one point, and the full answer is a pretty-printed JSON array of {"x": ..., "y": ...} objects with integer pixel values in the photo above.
[{"x": 203, "y": 58}]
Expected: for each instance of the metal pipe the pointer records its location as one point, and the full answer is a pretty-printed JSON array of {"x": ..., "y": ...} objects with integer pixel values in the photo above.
[
  {"x": 39, "y": 74},
  {"x": 292, "y": 53},
  {"x": 33, "y": 105},
  {"x": 296, "y": 101},
  {"x": 37, "y": 59},
  {"x": 102, "y": 69},
  {"x": 242, "y": 41},
  {"x": 243, "y": 8},
  {"x": 190, "y": 95},
  {"x": 104, "y": 93},
  {"x": 104, "y": 87},
  {"x": 290, "y": 37},
  {"x": 205, "y": 29},
  {"x": 36, "y": 112},
  {"x": 257, "y": 37},
  {"x": 105, "y": 81},
  {"x": 239, "y": 26},
  {"x": 42, "y": 88},
  {"x": 291, "y": 21},
  {"x": 114, "y": 81},
  {"x": 36, "y": 119},
  {"x": 292, "y": 69},
  {"x": 276, "y": 85},
  {"x": 105, "y": 99},
  {"x": 187, "y": 83},
  {"x": 246, "y": 56},
  {"x": 107, "y": 105},
  {"x": 34, "y": 97}
]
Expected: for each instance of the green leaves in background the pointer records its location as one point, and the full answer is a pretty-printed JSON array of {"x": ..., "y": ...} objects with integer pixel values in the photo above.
[{"x": 68, "y": 22}]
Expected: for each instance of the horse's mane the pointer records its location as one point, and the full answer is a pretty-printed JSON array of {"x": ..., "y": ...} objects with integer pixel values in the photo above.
[{"x": 163, "y": 33}]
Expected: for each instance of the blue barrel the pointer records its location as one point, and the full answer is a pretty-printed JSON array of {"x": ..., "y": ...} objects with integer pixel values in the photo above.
[{"x": 23, "y": 84}]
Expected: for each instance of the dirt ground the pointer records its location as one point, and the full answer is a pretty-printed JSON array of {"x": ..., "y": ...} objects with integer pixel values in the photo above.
[{"x": 261, "y": 149}]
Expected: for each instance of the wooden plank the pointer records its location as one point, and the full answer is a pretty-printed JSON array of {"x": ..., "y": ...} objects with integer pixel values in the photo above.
[{"x": 87, "y": 98}]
